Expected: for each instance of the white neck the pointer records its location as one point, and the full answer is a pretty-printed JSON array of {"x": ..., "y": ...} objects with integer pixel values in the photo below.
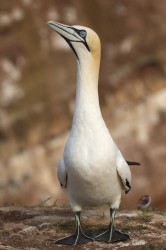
[{"x": 87, "y": 99}]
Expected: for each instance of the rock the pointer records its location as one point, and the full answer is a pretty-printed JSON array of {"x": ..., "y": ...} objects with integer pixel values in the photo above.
[
  {"x": 37, "y": 93},
  {"x": 8, "y": 248},
  {"x": 31, "y": 228}
]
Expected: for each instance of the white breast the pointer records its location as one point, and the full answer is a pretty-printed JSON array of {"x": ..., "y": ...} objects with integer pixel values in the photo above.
[{"x": 90, "y": 160}]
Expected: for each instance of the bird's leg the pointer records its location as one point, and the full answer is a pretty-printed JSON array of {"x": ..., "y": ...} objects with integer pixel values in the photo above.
[
  {"x": 78, "y": 238},
  {"x": 111, "y": 234}
]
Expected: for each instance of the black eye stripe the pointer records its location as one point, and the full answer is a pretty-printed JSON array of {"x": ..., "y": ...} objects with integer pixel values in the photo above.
[
  {"x": 78, "y": 32},
  {"x": 81, "y": 33},
  {"x": 84, "y": 37}
]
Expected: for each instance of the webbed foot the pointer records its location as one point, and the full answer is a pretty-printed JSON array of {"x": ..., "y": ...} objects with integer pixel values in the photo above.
[
  {"x": 105, "y": 235},
  {"x": 78, "y": 238},
  {"x": 94, "y": 233},
  {"x": 111, "y": 235},
  {"x": 75, "y": 239}
]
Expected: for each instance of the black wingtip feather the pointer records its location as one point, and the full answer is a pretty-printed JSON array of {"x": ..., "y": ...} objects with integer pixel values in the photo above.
[{"x": 133, "y": 163}]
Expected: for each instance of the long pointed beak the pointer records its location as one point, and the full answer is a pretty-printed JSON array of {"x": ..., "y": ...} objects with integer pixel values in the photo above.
[{"x": 65, "y": 31}]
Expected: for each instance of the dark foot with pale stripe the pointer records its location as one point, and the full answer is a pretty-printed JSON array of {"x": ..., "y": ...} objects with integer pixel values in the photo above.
[
  {"x": 75, "y": 239},
  {"x": 114, "y": 236},
  {"x": 94, "y": 233},
  {"x": 78, "y": 238},
  {"x": 105, "y": 235}
]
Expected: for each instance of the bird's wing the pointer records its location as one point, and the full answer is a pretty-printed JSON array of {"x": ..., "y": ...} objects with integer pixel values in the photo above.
[
  {"x": 133, "y": 163},
  {"x": 124, "y": 172},
  {"x": 62, "y": 174}
]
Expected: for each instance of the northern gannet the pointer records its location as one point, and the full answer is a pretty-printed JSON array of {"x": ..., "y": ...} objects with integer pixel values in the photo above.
[{"x": 92, "y": 168}]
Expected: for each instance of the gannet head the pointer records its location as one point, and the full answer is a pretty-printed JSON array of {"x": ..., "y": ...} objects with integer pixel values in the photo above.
[{"x": 82, "y": 40}]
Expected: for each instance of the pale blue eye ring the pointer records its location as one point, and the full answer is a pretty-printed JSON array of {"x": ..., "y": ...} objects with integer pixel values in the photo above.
[{"x": 83, "y": 33}]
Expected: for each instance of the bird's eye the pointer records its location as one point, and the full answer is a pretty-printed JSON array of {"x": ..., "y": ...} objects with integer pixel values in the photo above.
[{"x": 83, "y": 33}]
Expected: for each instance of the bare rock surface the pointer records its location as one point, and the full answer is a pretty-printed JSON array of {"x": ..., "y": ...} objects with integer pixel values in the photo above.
[
  {"x": 37, "y": 93},
  {"x": 34, "y": 228}
]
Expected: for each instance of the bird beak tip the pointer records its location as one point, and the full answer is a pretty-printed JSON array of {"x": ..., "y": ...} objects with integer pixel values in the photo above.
[{"x": 49, "y": 22}]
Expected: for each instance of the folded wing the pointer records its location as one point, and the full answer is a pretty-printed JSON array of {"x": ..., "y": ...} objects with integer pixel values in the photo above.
[
  {"x": 124, "y": 172},
  {"x": 62, "y": 174}
]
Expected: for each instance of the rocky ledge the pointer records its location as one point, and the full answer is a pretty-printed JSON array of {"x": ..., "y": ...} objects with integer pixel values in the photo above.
[{"x": 34, "y": 228}]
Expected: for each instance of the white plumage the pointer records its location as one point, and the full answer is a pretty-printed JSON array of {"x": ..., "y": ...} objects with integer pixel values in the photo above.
[
  {"x": 92, "y": 169},
  {"x": 92, "y": 163}
]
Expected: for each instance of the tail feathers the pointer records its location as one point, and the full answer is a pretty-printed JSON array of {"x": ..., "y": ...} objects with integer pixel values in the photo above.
[{"x": 133, "y": 163}]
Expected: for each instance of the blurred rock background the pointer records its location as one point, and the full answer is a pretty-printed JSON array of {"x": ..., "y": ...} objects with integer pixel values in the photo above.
[{"x": 37, "y": 93}]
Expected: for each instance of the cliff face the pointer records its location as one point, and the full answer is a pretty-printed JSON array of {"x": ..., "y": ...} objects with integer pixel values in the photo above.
[{"x": 37, "y": 92}]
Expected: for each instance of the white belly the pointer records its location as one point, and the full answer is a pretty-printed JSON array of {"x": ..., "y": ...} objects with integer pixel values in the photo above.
[
  {"x": 94, "y": 191},
  {"x": 91, "y": 168}
]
